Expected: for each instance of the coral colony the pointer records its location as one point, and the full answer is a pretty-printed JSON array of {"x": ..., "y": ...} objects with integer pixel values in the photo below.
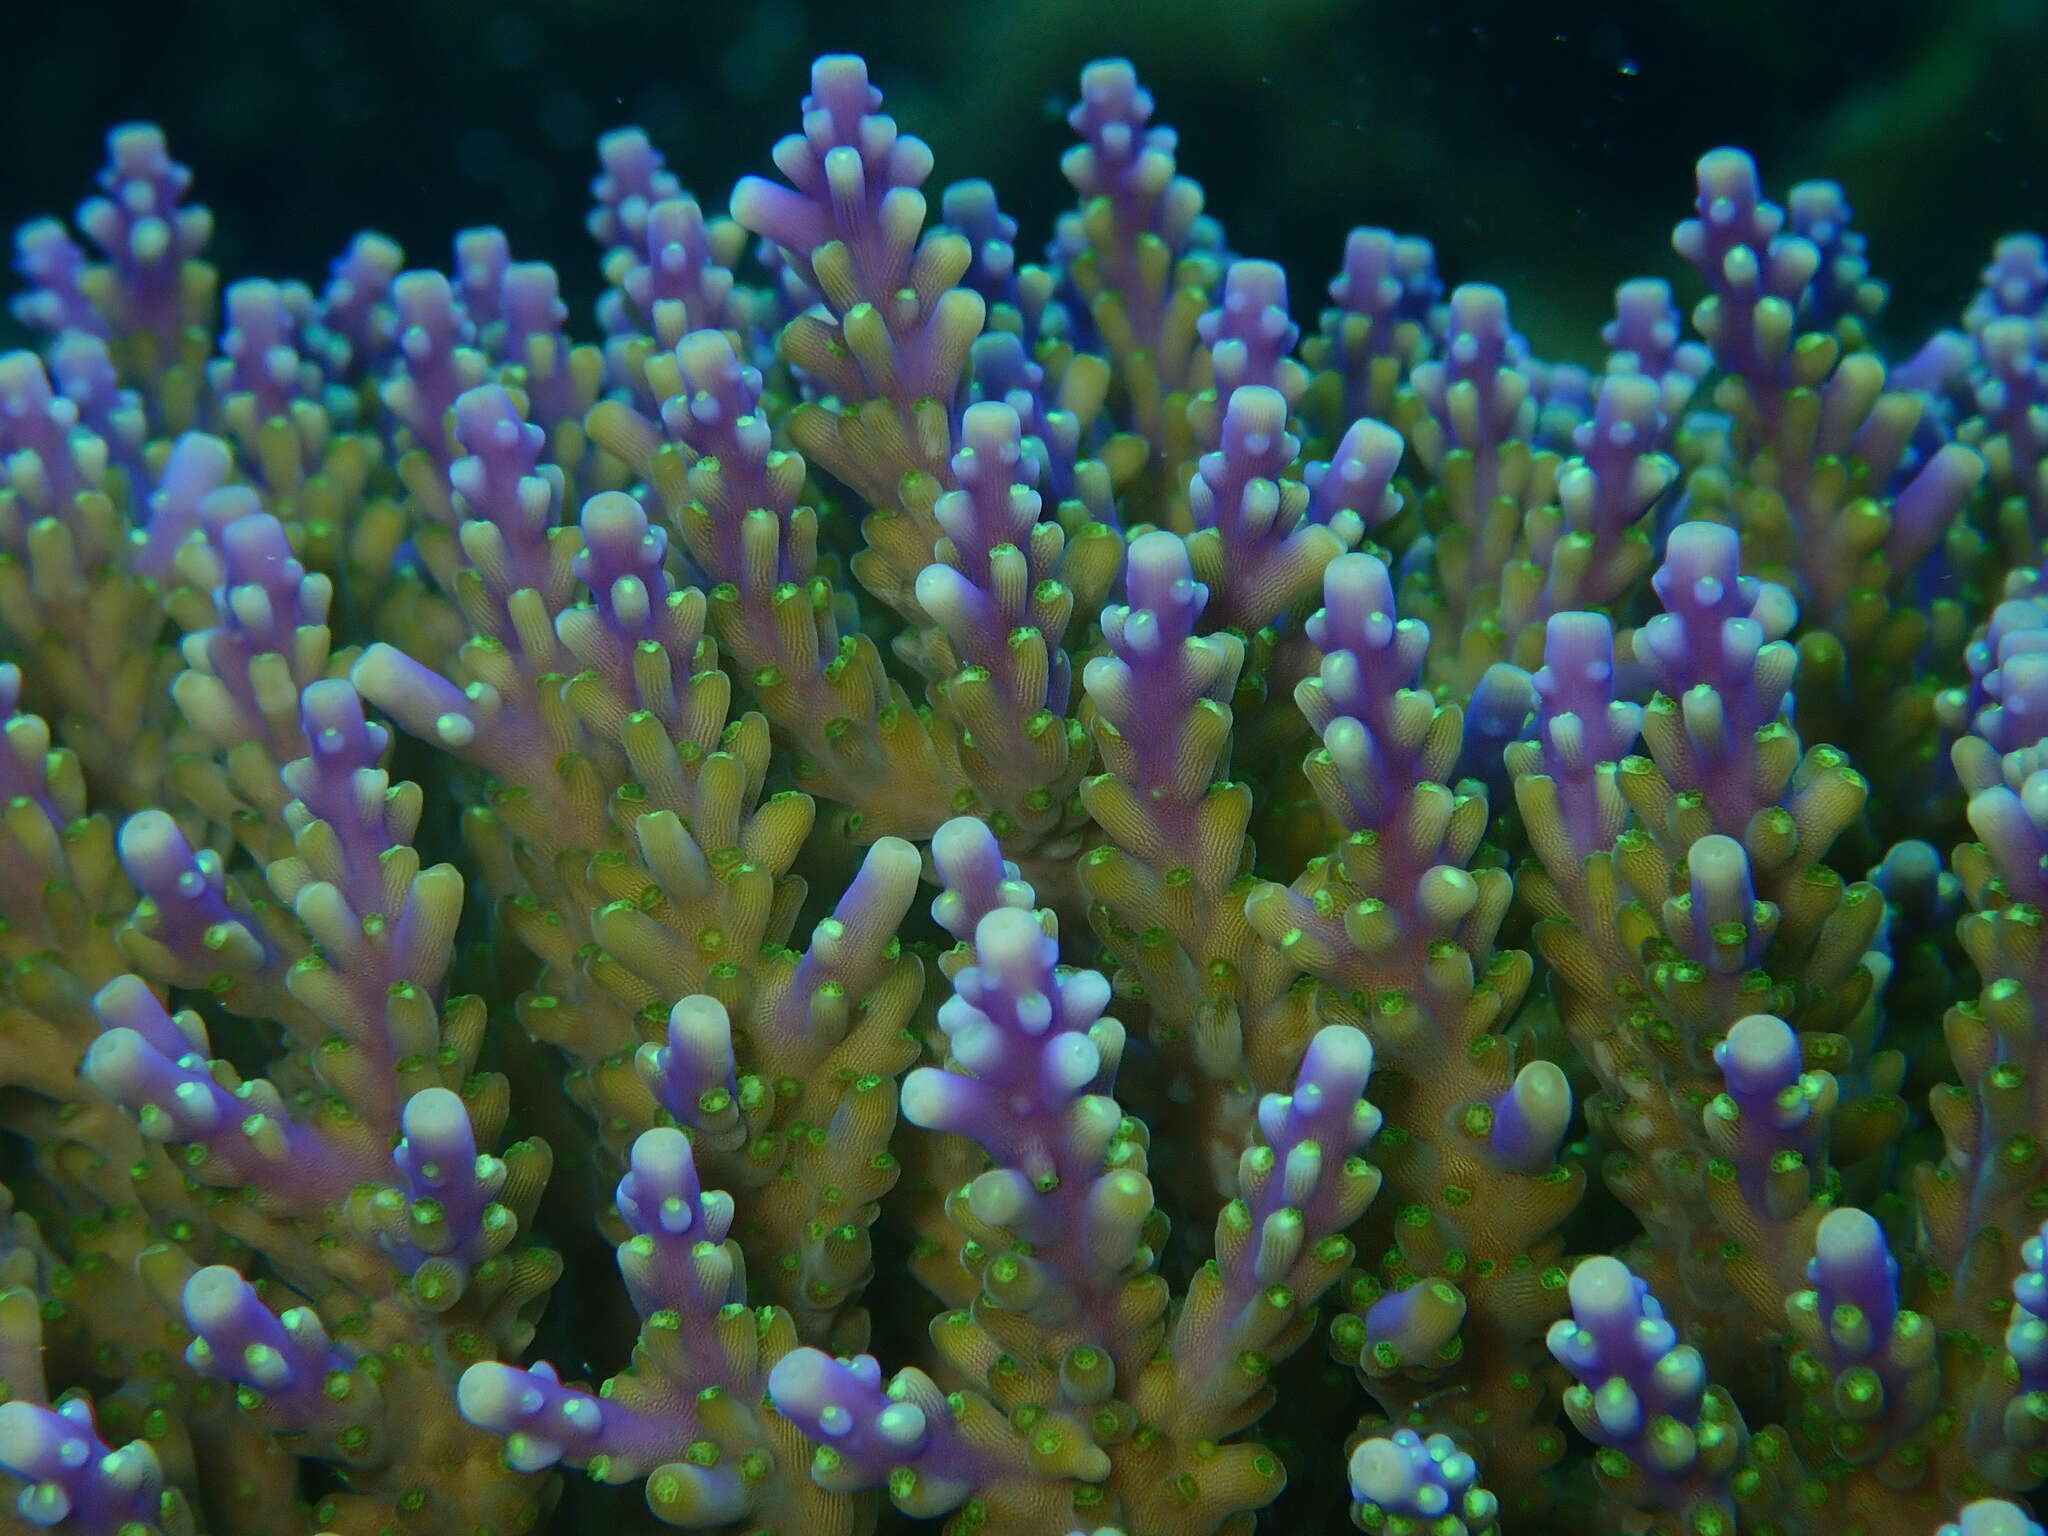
[{"x": 1025, "y": 899}]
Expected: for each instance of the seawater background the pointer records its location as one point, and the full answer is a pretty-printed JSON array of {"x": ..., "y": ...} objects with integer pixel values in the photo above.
[{"x": 1547, "y": 147}]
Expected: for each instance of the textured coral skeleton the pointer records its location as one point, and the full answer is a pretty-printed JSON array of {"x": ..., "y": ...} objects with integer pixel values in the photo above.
[{"x": 910, "y": 888}]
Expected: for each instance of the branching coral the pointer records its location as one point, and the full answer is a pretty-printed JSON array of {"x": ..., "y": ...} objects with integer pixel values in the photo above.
[{"x": 1445, "y": 865}]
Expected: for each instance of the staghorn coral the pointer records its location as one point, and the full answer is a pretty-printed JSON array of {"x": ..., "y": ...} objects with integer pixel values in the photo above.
[{"x": 1444, "y": 869}]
